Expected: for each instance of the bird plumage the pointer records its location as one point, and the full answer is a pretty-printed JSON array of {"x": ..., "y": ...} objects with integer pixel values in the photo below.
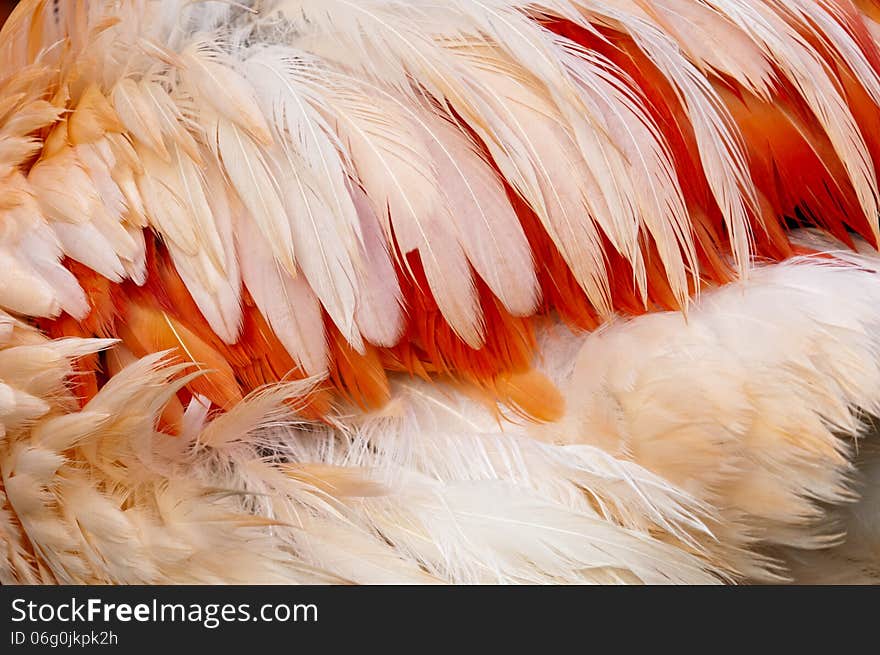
[{"x": 338, "y": 257}]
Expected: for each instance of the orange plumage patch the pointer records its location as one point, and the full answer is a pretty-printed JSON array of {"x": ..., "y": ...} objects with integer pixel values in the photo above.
[{"x": 429, "y": 346}]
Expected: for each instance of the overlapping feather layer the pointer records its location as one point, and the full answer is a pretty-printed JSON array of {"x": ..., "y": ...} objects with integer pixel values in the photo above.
[
  {"x": 344, "y": 187},
  {"x": 659, "y": 471}
]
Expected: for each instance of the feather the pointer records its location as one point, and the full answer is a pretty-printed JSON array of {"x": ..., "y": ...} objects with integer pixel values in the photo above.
[
  {"x": 323, "y": 222},
  {"x": 379, "y": 313},
  {"x": 25, "y": 292},
  {"x": 809, "y": 73},
  {"x": 252, "y": 174},
  {"x": 395, "y": 170},
  {"x": 488, "y": 229},
  {"x": 213, "y": 81},
  {"x": 138, "y": 115},
  {"x": 288, "y": 303},
  {"x": 92, "y": 118},
  {"x": 63, "y": 188},
  {"x": 720, "y": 148}
]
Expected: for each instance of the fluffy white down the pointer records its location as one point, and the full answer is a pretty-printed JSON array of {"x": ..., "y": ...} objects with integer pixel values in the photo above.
[{"x": 693, "y": 449}]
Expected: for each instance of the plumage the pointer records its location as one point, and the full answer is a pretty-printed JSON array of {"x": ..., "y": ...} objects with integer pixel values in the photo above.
[{"x": 483, "y": 291}]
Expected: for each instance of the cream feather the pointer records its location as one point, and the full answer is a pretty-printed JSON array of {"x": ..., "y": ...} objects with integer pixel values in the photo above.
[
  {"x": 396, "y": 170},
  {"x": 379, "y": 313},
  {"x": 287, "y": 302},
  {"x": 323, "y": 221}
]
